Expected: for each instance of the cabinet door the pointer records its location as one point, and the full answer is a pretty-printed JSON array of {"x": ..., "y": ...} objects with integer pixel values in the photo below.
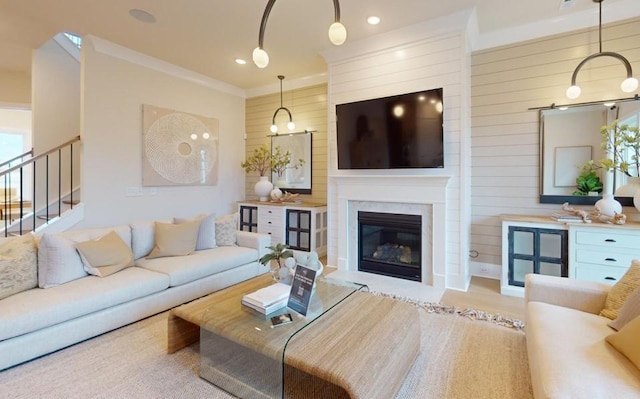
[
  {"x": 248, "y": 218},
  {"x": 298, "y": 229},
  {"x": 536, "y": 250}
]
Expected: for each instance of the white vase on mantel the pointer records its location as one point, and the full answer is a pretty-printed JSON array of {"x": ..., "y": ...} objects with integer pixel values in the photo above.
[{"x": 263, "y": 188}]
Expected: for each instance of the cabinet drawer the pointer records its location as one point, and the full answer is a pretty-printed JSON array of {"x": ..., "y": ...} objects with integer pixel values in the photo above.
[
  {"x": 602, "y": 274},
  {"x": 605, "y": 257},
  {"x": 609, "y": 240},
  {"x": 270, "y": 212}
]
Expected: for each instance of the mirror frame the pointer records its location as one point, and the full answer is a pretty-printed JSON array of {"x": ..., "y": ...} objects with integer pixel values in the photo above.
[
  {"x": 307, "y": 155},
  {"x": 571, "y": 199}
]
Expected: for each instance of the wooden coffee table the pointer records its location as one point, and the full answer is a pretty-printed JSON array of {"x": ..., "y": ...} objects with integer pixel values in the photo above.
[{"x": 362, "y": 347}]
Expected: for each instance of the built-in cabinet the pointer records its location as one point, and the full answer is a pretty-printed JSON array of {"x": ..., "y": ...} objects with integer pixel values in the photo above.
[
  {"x": 585, "y": 251},
  {"x": 301, "y": 227}
]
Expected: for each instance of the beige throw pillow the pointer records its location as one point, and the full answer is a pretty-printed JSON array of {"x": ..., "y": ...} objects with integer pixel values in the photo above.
[
  {"x": 106, "y": 255},
  {"x": 18, "y": 265},
  {"x": 206, "y": 231},
  {"x": 175, "y": 239},
  {"x": 626, "y": 341},
  {"x": 629, "y": 311},
  {"x": 621, "y": 290}
]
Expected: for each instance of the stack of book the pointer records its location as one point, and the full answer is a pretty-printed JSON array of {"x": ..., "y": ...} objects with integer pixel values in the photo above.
[
  {"x": 569, "y": 218},
  {"x": 268, "y": 299}
]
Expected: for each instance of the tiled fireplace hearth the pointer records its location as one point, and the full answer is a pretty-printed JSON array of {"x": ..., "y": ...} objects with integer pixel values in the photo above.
[{"x": 411, "y": 195}]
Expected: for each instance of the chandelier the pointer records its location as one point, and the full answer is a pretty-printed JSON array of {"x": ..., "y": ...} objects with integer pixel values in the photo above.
[
  {"x": 290, "y": 125},
  {"x": 337, "y": 33},
  {"x": 628, "y": 85}
]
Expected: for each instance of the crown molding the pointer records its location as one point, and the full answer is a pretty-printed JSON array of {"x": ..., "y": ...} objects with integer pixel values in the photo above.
[
  {"x": 291, "y": 84},
  {"x": 115, "y": 50},
  {"x": 613, "y": 12}
]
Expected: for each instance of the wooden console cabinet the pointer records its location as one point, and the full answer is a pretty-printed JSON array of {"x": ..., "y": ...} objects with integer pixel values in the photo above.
[
  {"x": 301, "y": 227},
  {"x": 585, "y": 251}
]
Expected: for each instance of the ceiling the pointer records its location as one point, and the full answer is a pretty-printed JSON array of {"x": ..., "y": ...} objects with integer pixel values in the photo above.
[{"x": 206, "y": 36}]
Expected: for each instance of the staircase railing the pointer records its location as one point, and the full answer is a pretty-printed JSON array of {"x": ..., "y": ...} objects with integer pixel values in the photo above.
[
  {"x": 7, "y": 204},
  {"x": 21, "y": 157}
]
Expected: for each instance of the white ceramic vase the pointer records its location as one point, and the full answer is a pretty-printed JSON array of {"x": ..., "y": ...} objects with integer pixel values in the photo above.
[
  {"x": 608, "y": 205},
  {"x": 631, "y": 189},
  {"x": 276, "y": 193},
  {"x": 263, "y": 188}
]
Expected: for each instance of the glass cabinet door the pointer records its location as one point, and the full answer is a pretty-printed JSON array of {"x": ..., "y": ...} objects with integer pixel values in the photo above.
[{"x": 536, "y": 250}]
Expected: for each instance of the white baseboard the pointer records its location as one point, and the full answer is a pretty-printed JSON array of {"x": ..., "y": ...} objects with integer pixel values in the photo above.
[{"x": 487, "y": 270}]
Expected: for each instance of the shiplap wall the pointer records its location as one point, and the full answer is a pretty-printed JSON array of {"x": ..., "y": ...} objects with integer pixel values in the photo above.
[
  {"x": 423, "y": 61},
  {"x": 308, "y": 108},
  {"x": 505, "y": 82}
]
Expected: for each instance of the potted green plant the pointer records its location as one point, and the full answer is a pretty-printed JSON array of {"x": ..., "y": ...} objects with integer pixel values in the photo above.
[
  {"x": 588, "y": 181},
  {"x": 279, "y": 252}
]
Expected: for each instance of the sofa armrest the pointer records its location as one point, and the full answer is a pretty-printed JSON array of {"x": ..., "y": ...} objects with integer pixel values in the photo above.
[
  {"x": 587, "y": 296},
  {"x": 254, "y": 240}
]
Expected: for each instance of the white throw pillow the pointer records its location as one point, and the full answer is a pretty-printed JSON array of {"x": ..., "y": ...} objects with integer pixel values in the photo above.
[
  {"x": 18, "y": 265},
  {"x": 206, "y": 232},
  {"x": 58, "y": 260},
  {"x": 226, "y": 228}
]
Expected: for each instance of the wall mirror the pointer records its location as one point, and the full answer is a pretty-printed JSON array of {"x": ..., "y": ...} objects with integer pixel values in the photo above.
[
  {"x": 296, "y": 180},
  {"x": 570, "y": 137}
]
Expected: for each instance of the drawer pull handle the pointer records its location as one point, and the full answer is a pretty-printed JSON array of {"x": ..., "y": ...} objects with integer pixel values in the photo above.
[
  {"x": 269, "y": 233},
  {"x": 609, "y": 240},
  {"x": 610, "y": 278},
  {"x": 269, "y": 222},
  {"x": 611, "y": 259}
]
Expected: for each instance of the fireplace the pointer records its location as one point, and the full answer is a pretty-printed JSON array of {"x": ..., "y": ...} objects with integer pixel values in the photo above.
[{"x": 390, "y": 244}]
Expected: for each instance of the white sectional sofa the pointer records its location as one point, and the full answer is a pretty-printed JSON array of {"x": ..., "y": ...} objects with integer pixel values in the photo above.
[
  {"x": 568, "y": 354},
  {"x": 38, "y": 321}
]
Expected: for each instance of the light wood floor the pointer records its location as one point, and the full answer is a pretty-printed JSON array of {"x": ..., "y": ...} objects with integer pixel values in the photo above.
[{"x": 484, "y": 294}]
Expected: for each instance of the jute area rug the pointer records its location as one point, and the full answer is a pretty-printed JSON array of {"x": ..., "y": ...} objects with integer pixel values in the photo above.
[{"x": 460, "y": 358}]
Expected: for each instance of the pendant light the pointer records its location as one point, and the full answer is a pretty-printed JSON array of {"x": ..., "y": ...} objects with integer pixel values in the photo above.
[
  {"x": 291, "y": 126},
  {"x": 337, "y": 33},
  {"x": 628, "y": 85}
]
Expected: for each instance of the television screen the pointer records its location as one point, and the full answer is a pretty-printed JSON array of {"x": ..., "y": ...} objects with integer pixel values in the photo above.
[{"x": 402, "y": 131}]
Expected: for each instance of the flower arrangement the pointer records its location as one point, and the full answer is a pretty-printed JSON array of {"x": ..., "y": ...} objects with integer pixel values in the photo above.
[
  {"x": 623, "y": 143},
  {"x": 259, "y": 161},
  {"x": 278, "y": 252}
]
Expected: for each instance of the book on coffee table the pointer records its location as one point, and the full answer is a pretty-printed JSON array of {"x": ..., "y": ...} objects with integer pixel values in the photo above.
[{"x": 268, "y": 299}]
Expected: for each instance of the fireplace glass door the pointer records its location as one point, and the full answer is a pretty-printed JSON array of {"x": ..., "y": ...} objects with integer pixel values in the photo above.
[{"x": 390, "y": 244}]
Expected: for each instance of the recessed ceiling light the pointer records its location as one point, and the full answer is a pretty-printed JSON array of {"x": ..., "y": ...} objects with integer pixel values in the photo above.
[
  {"x": 373, "y": 20},
  {"x": 240, "y": 61},
  {"x": 142, "y": 15}
]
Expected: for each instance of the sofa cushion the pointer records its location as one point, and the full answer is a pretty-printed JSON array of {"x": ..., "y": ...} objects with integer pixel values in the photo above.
[
  {"x": 39, "y": 308},
  {"x": 175, "y": 239},
  {"x": 106, "y": 255},
  {"x": 58, "y": 259},
  {"x": 206, "y": 232},
  {"x": 226, "y": 227},
  {"x": 629, "y": 311},
  {"x": 627, "y": 341},
  {"x": 18, "y": 265},
  {"x": 619, "y": 293},
  {"x": 143, "y": 237},
  {"x": 199, "y": 264},
  {"x": 567, "y": 348}
]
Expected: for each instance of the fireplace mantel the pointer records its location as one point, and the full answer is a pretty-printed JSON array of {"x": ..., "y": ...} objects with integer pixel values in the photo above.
[{"x": 425, "y": 195}]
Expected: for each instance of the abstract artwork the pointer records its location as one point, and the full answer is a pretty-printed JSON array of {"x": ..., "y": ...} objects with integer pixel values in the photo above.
[{"x": 178, "y": 149}]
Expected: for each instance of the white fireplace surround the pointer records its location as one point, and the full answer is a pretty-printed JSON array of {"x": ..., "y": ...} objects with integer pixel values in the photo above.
[{"x": 415, "y": 195}]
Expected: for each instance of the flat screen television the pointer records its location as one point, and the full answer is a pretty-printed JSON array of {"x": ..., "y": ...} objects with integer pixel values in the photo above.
[{"x": 395, "y": 132}]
